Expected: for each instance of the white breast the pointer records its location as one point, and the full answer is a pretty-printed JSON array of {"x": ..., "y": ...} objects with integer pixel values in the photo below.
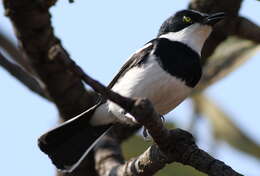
[
  {"x": 194, "y": 36},
  {"x": 152, "y": 82}
]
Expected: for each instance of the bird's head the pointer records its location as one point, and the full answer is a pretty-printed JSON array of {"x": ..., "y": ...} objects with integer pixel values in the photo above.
[
  {"x": 188, "y": 18},
  {"x": 190, "y": 27}
]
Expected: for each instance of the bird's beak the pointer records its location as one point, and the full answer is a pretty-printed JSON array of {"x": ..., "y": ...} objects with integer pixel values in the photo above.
[{"x": 212, "y": 19}]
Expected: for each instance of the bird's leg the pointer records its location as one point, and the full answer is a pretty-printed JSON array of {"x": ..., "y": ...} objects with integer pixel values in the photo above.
[
  {"x": 162, "y": 118},
  {"x": 131, "y": 119},
  {"x": 146, "y": 134}
]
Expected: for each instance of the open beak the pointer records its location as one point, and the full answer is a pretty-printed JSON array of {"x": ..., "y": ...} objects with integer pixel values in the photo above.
[{"x": 212, "y": 19}]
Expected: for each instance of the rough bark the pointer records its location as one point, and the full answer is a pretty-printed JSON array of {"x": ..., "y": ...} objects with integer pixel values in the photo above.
[{"x": 31, "y": 20}]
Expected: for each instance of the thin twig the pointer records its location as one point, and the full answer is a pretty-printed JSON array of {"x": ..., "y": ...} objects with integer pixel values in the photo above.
[{"x": 24, "y": 77}]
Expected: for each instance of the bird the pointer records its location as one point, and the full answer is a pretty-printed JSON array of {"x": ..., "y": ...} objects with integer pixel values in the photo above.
[{"x": 165, "y": 70}]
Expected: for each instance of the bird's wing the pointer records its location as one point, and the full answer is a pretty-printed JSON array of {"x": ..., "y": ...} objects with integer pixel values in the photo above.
[{"x": 137, "y": 58}]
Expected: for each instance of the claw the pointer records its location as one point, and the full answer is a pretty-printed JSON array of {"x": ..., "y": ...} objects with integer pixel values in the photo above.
[
  {"x": 163, "y": 118},
  {"x": 146, "y": 134}
]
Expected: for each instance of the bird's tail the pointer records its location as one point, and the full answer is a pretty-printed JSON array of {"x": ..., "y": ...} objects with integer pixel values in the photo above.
[{"x": 68, "y": 144}]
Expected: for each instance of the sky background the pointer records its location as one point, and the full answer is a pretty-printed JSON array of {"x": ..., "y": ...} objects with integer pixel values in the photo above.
[{"x": 100, "y": 36}]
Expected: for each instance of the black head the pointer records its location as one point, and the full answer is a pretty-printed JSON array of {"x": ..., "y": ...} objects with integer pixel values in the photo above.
[{"x": 185, "y": 18}]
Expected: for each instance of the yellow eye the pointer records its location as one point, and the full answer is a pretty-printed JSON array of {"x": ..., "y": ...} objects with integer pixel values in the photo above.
[{"x": 187, "y": 19}]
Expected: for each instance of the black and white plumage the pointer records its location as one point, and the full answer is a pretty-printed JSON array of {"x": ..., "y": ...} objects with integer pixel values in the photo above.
[{"x": 165, "y": 70}]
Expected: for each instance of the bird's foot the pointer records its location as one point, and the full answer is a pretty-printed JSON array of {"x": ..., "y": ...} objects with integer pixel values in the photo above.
[
  {"x": 129, "y": 118},
  {"x": 162, "y": 118},
  {"x": 146, "y": 135}
]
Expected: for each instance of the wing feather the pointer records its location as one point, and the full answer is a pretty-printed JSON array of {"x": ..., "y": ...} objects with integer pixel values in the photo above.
[{"x": 136, "y": 59}]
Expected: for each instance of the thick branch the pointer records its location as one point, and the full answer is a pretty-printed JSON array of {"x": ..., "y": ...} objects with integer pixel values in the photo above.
[
  {"x": 31, "y": 20},
  {"x": 108, "y": 159},
  {"x": 247, "y": 29}
]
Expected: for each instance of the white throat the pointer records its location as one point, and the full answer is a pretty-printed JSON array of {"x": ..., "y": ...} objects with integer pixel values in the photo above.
[{"x": 194, "y": 36}]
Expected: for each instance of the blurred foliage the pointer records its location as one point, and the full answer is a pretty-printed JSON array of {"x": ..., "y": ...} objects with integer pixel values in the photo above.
[
  {"x": 228, "y": 56},
  {"x": 235, "y": 47},
  {"x": 223, "y": 128},
  {"x": 137, "y": 145}
]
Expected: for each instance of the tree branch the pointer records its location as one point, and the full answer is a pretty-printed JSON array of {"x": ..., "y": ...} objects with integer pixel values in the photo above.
[
  {"x": 62, "y": 78},
  {"x": 31, "y": 20},
  {"x": 9, "y": 47},
  {"x": 247, "y": 29},
  {"x": 221, "y": 30},
  {"x": 24, "y": 77},
  {"x": 109, "y": 162},
  {"x": 173, "y": 145}
]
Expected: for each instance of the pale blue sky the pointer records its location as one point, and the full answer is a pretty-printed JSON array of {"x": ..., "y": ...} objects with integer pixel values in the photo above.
[{"x": 108, "y": 32}]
